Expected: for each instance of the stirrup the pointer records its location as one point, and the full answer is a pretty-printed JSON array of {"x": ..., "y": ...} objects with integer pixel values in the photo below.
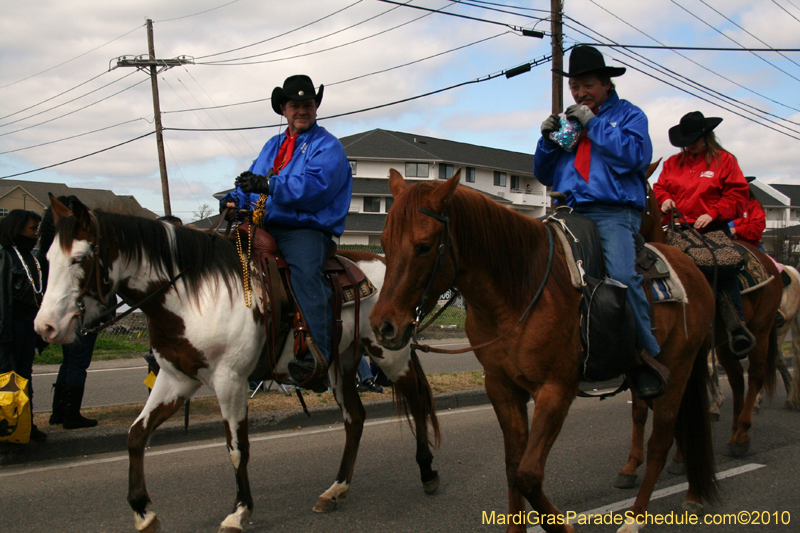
[{"x": 317, "y": 375}]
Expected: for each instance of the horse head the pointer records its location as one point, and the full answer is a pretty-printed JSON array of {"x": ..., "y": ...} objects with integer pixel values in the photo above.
[
  {"x": 420, "y": 256},
  {"x": 78, "y": 278}
]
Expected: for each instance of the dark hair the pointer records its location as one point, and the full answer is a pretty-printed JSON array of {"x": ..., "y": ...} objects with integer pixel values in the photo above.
[
  {"x": 171, "y": 219},
  {"x": 13, "y": 224}
]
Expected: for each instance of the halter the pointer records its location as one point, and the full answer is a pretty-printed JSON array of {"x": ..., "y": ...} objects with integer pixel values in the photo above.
[
  {"x": 445, "y": 220},
  {"x": 447, "y": 244},
  {"x": 99, "y": 280}
]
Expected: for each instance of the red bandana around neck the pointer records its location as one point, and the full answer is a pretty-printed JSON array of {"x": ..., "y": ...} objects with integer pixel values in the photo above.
[
  {"x": 285, "y": 153},
  {"x": 583, "y": 157}
]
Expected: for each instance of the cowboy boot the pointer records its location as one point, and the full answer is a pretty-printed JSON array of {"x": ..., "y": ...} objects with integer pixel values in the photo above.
[
  {"x": 740, "y": 340},
  {"x": 72, "y": 410},
  {"x": 59, "y": 398},
  {"x": 648, "y": 379}
]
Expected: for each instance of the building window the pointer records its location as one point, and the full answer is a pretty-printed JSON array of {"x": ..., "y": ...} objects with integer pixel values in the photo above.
[
  {"x": 470, "y": 177},
  {"x": 3, "y": 213},
  {"x": 353, "y": 167},
  {"x": 417, "y": 170},
  {"x": 499, "y": 179},
  {"x": 372, "y": 204},
  {"x": 514, "y": 183},
  {"x": 445, "y": 171},
  {"x": 389, "y": 202}
]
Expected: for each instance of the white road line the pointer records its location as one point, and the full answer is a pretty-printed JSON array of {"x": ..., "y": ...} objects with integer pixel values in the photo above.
[
  {"x": 220, "y": 444},
  {"x": 98, "y": 370},
  {"x": 658, "y": 494}
]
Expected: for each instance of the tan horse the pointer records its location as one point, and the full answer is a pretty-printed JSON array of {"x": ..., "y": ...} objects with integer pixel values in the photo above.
[{"x": 438, "y": 234}]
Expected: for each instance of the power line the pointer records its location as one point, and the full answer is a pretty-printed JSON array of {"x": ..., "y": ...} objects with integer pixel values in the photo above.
[
  {"x": 697, "y": 48},
  {"x": 356, "y": 77},
  {"x": 282, "y": 34},
  {"x": 786, "y": 10},
  {"x": 733, "y": 40},
  {"x": 70, "y": 60},
  {"x": 515, "y": 28},
  {"x": 503, "y": 5},
  {"x": 77, "y": 158},
  {"x": 65, "y": 103},
  {"x": 229, "y": 62},
  {"x": 56, "y": 96},
  {"x": 482, "y": 79},
  {"x": 76, "y": 110},
  {"x": 72, "y": 136},
  {"x": 198, "y": 13}
]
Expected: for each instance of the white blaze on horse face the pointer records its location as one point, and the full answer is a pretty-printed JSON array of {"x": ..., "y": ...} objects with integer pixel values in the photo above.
[{"x": 56, "y": 321}]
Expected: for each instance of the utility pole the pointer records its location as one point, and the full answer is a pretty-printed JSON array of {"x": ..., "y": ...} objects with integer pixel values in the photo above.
[
  {"x": 140, "y": 62},
  {"x": 556, "y": 8}
]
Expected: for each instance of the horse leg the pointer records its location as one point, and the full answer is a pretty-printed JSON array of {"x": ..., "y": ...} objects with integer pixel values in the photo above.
[
  {"x": 167, "y": 396},
  {"x": 793, "y": 395},
  {"x": 626, "y": 479},
  {"x": 232, "y": 396},
  {"x": 510, "y": 407},
  {"x": 735, "y": 374},
  {"x": 415, "y": 392},
  {"x": 551, "y": 406},
  {"x": 714, "y": 390},
  {"x": 344, "y": 390}
]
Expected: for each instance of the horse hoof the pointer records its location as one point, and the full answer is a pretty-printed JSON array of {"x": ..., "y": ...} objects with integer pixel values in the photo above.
[
  {"x": 229, "y": 529},
  {"x": 325, "y": 505},
  {"x": 693, "y": 508},
  {"x": 430, "y": 486},
  {"x": 676, "y": 468},
  {"x": 715, "y": 417},
  {"x": 755, "y": 409},
  {"x": 738, "y": 449},
  {"x": 152, "y": 527},
  {"x": 625, "y": 481}
]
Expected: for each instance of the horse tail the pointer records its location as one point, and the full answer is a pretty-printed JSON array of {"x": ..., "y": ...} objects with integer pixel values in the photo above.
[
  {"x": 693, "y": 431},
  {"x": 414, "y": 394},
  {"x": 771, "y": 363}
]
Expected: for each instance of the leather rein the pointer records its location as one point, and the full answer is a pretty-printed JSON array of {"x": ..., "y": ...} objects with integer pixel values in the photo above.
[
  {"x": 443, "y": 247},
  {"x": 94, "y": 274}
]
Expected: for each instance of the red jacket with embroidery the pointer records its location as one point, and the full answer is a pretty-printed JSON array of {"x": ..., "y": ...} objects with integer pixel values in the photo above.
[
  {"x": 751, "y": 226},
  {"x": 719, "y": 190}
]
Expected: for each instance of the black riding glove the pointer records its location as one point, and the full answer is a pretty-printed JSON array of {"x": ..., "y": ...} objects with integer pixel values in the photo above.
[{"x": 253, "y": 183}]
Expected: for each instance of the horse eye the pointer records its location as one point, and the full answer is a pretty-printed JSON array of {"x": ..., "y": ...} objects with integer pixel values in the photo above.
[
  {"x": 77, "y": 260},
  {"x": 423, "y": 249}
]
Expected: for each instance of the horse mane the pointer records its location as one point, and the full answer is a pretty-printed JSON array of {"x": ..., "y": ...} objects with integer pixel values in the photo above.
[
  {"x": 167, "y": 249},
  {"x": 510, "y": 245}
]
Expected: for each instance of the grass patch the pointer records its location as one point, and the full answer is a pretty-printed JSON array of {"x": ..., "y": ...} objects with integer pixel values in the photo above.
[{"x": 106, "y": 345}]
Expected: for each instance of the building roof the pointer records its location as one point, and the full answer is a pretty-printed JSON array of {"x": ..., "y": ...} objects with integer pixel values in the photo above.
[
  {"x": 766, "y": 199},
  {"x": 385, "y": 145},
  {"x": 792, "y": 191},
  {"x": 92, "y": 198}
]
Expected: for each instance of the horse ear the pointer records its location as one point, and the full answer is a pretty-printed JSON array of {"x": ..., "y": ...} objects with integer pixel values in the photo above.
[
  {"x": 82, "y": 215},
  {"x": 396, "y": 182},
  {"x": 59, "y": 210},
  {"x": 444, "y": 192},
  {"x": 652, "y": 168}
]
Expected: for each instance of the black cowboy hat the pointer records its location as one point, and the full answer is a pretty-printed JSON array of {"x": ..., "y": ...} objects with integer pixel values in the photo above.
[
  {"x": 589, "y": 60},
  {"x": 298, "y": 87},
  {"x": 692, "y": 126}
]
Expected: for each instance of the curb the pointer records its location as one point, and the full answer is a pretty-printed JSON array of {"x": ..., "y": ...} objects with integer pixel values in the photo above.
[{"x": 98, "y": 440}]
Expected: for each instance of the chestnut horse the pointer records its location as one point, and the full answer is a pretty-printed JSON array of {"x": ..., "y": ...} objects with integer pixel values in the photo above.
[
  {"x": 203, "y": 333},
  {"x": 498, "y": 259},
  {"x": 760, "y": 307}
]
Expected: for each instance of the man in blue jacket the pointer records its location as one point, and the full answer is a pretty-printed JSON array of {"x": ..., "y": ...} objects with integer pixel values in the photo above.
[
  {"x": 300, "y": 187},
  {"x": 604, "y": 179}
]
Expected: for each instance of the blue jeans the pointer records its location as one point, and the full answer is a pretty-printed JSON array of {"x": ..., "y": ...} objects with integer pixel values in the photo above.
[
  {"x": 77, "y": 358},
  {"x": 364, "y": 370},
  {"x": 617, "y": 227},
  {"x": 305, "y": 251}
]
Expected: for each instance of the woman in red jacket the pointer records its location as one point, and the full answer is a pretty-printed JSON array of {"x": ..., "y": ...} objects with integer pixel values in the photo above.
[{"x": 704, "y": 182}]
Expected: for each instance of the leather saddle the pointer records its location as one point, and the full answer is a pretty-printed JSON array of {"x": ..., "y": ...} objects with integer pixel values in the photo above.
[{"x": 272, "y": 279}]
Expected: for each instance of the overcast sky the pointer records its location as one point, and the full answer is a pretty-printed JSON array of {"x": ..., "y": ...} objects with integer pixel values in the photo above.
[{"x": 62, "y": 98}]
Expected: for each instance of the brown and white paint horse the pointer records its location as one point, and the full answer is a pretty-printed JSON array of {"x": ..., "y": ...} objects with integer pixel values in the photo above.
[
  {"x": 497, "y": 259},
  {"x": 202, "y": 333}
]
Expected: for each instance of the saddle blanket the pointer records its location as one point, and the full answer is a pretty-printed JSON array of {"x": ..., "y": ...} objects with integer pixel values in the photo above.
[{"x": 753, "y": 276}]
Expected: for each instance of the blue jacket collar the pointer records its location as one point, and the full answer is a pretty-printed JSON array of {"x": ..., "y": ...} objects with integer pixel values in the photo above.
[{"x": 611, "y": 101}]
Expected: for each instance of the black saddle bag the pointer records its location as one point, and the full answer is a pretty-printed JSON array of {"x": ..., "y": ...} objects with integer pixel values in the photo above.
[{"x": 608, "y": 332}]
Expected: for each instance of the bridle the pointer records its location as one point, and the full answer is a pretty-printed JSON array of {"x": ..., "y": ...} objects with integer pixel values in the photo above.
[
  {"x": 447, "y": 243},
  {"x": 94, "y": 275}
]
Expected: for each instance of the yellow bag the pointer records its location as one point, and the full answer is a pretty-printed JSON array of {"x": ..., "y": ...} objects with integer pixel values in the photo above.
[{"x": 15, "y": 409}]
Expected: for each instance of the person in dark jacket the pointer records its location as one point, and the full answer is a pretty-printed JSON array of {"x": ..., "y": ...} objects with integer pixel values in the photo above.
[
  {"x": 604, "y": 179},
  {"x": 21, "y": 290}
]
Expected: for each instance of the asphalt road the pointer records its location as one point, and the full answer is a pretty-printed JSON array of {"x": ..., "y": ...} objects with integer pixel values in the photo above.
[
  {"x": 120, "y": 381},
  {"x": 192, "y": 484}
]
